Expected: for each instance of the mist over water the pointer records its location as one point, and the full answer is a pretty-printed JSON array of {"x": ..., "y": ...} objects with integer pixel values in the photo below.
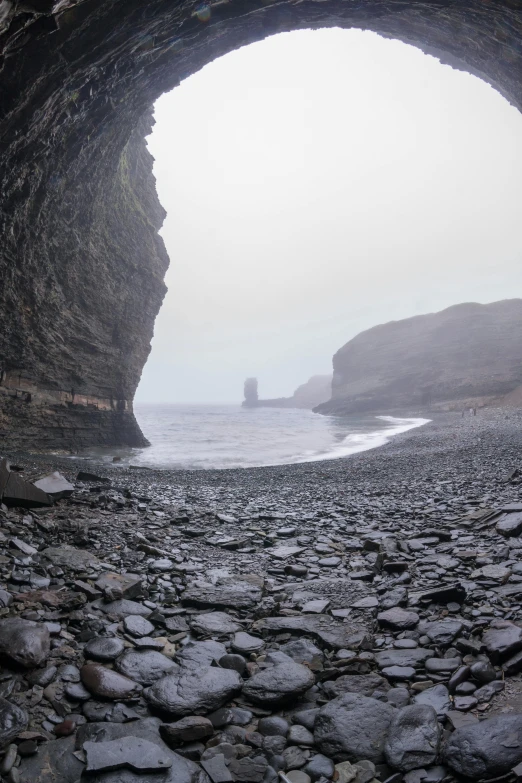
[{"x": 228, "y": 436}]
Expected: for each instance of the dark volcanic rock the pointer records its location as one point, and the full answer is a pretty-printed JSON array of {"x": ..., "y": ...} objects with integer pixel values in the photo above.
[
  {"x": 353, "y": 727},
  {"x": 186, "y": 730},
  {"x": 487, "y": 749},
  {"x": 466, "y": 351},
  {"x": 279, "y": 683},
  {"x": 129, "y": 752},
  {"x": 194, "y": 692},
  {"x": 24, "y": 641},
  {"x": 413, "y": 738}
]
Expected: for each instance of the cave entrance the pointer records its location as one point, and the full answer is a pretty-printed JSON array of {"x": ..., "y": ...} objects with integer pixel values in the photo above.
[
  {"x": 316, "y": 184},
  {"x": 82, "y": 265}
]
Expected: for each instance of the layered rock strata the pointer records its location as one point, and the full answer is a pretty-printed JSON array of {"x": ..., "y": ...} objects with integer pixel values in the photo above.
[
  {"x": 466, "y": 355},
  {"x": 81, "y": 263}
]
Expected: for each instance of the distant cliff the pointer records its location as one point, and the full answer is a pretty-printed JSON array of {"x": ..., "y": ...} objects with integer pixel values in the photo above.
[
  {"x": 467, "y": 354},
  {"x": 316, "y": 390}
]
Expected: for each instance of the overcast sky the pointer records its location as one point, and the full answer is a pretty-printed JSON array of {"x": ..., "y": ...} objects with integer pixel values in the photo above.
[{"x": 316, "y": 184}]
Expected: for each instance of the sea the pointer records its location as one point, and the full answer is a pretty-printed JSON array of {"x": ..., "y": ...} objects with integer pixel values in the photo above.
[{"x": 200, "y": 437}]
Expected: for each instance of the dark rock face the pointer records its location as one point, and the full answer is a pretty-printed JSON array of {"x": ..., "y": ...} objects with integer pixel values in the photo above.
[
  {"x": 81, "y": 262},
  {"x": 464, "y": 355},
  {"x": 487, "y": 749}
]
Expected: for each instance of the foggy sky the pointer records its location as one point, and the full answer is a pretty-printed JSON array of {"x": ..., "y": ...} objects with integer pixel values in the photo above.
[{"x": 316, "y": 184}]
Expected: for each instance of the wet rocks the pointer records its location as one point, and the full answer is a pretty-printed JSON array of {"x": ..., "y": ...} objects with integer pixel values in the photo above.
[
  {"x": 279, "y": 683},
  {"x": 55, "y": 485},
  {"x": 108, "y": 684},
  {"x": 353, "y": 727},
  {"x": 502, "y": 639},
  {"x": 398, "y": 619},
  {"x": 218, "y": 623},
  {"x": 188, "y": 729},
  {"x": 67, "y": 556},
  {"x": 137, "y": 625},
  {"x": 13, "y": 720},
  {"x": 24, "y": 641},
  {"x": 413, "y": 738},
  {"x": 487, "y": 749},
  {"x": 194, "y": 692},
  {"x": 323, "y": 627},
  {"x": 145, "y": 666},
  {"x": 104, "y": 648},
  {"x": 234, "y": 594}
]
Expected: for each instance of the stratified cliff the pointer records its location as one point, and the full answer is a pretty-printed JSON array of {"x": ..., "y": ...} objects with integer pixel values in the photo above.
[
  {"x": 468, "y": 354},
  {"x": 316, "y": 390}
]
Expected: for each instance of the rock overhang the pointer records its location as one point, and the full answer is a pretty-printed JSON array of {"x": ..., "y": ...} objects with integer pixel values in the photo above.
[{"x": 82, "y": 263}]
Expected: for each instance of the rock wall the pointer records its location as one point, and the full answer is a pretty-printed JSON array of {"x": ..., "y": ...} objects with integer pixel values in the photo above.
[
  {"x": 468, "y": 354},
  {"x": 81, "y": 262}
]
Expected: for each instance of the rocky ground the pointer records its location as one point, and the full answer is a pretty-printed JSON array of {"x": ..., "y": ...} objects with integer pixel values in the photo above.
[{"x": 357, "y": 620}]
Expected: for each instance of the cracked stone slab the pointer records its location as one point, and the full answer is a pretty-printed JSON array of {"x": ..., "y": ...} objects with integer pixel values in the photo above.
[{"x": 132, "y": 752}]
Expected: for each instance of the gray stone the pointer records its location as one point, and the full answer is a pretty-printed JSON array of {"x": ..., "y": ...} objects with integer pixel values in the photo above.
[
  {"x": 122, "y": 607},
  {"x": 245, "y": 644},
  {"x": 441, "y": 632},
  {"x": 187, "y": 729},
  {"x": 299, "y": 735},
  {"x": 55, "y": 485},
  {"x": 196, "y": 654},
  {"x": 216, "y": 769},
  {"x": 54, "y": 763},
  {"x": 438, "y": 665},
  {"x": 320, "y": 767},
  {"x": 116, "y": 586},
  {"x": 278, "y": 683},
  {"x": 399, "y": 673},
  {"x": 353, "y": 727},
  {"x": 196, "y": 692},
  {"x": 510, "y": 525},
  {"x": 104, "y": 648},
  {"x": 108, "y": 684},
  {"x": 436, "y": 697},
  {"x": 502, "y": 639},
  {"x": 137, "y": 625},
  {"x": 414, "y": 657},
  {"x": 145, "y": 666},
  {"x": 413, "y": 738},
  {"x": 24, "y": 641},
  {"x": 129, "y": 752},
  {"x": 303, "y": 651},
  {"x": 485, "y": 694},
  {"x": 233, "y": 661},
  {"x": 483, "y": 672},
  {"x": 274, "y": 726},
  {"x": 365, "y": 684},
  {"x": 487, "y": 749},
  {"x": 66, "y": 556},
  {"x": 248, "y": 770},
  {"x": 214, "y": 623},
  {"x": 398, "y": 619},
  {"x": 234, "y": 594}
]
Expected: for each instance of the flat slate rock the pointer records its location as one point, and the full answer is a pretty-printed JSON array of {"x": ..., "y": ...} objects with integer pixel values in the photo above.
[
  {"x": 413, "y": 657},
  {"x": 353, "y": 727},
  {"x": 55, "y": 762},
  {"x": 333, "y": 633},
  {"x": 234, "y": 595},
  {"x": 219, "y": 623},
  {"x": 436, "y": 697},
  {"x": 104, "y": 648},
  {"x": 502, "y": 639},
  {"x": 245, "y": 644},
  {"x": 398, "y": 619},
  {"x": 278, "y": 684},
  {"x": 510, "y": 524},
  {"x": 284, "y": 552},
  {"x": 16, "y": 492},
  {"x": 182, "y": 770},
  {"x": 145, "y": 666},
  {"x": 123, "y": 607},
  {"x": 24, "y": 641},
  {"x": 66, "y": 556},
  {"x": 441, "y": 632},
  {"x": 128, "y": 752},
  {"x": 364, "y": 684},
  {"x": 194, "y": 692},
  {"x": 120, "y": 585},
  {"x": 137, "y": 625},
  {"x": 55, "y": 485}
]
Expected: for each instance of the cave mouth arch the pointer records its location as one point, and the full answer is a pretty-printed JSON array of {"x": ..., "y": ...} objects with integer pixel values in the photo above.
[{"x": 82, "y": 263}]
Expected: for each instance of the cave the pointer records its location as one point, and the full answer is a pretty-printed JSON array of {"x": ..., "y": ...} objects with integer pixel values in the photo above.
[{"x": 82, "y": 263}]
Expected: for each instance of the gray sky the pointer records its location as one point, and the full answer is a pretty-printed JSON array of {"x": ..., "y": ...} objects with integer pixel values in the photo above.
[{"x": 316, "y": 184}]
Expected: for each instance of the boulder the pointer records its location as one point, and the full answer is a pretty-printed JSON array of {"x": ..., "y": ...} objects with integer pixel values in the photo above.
[
  {"x": 279, "y": 683},
  {"x": 353, "y": 727},
  {"x": 24, "y": 641},
  {"x": 487, "y": 749},
  {"x": 13, "y": 720},
  {"x": 195, "y": 692},
  {"x": 145, "y": 666},
  {"x": 413, "y": 739},
  {"x": 502, "y": 639},
  {"x": 398, "y": 619}
]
